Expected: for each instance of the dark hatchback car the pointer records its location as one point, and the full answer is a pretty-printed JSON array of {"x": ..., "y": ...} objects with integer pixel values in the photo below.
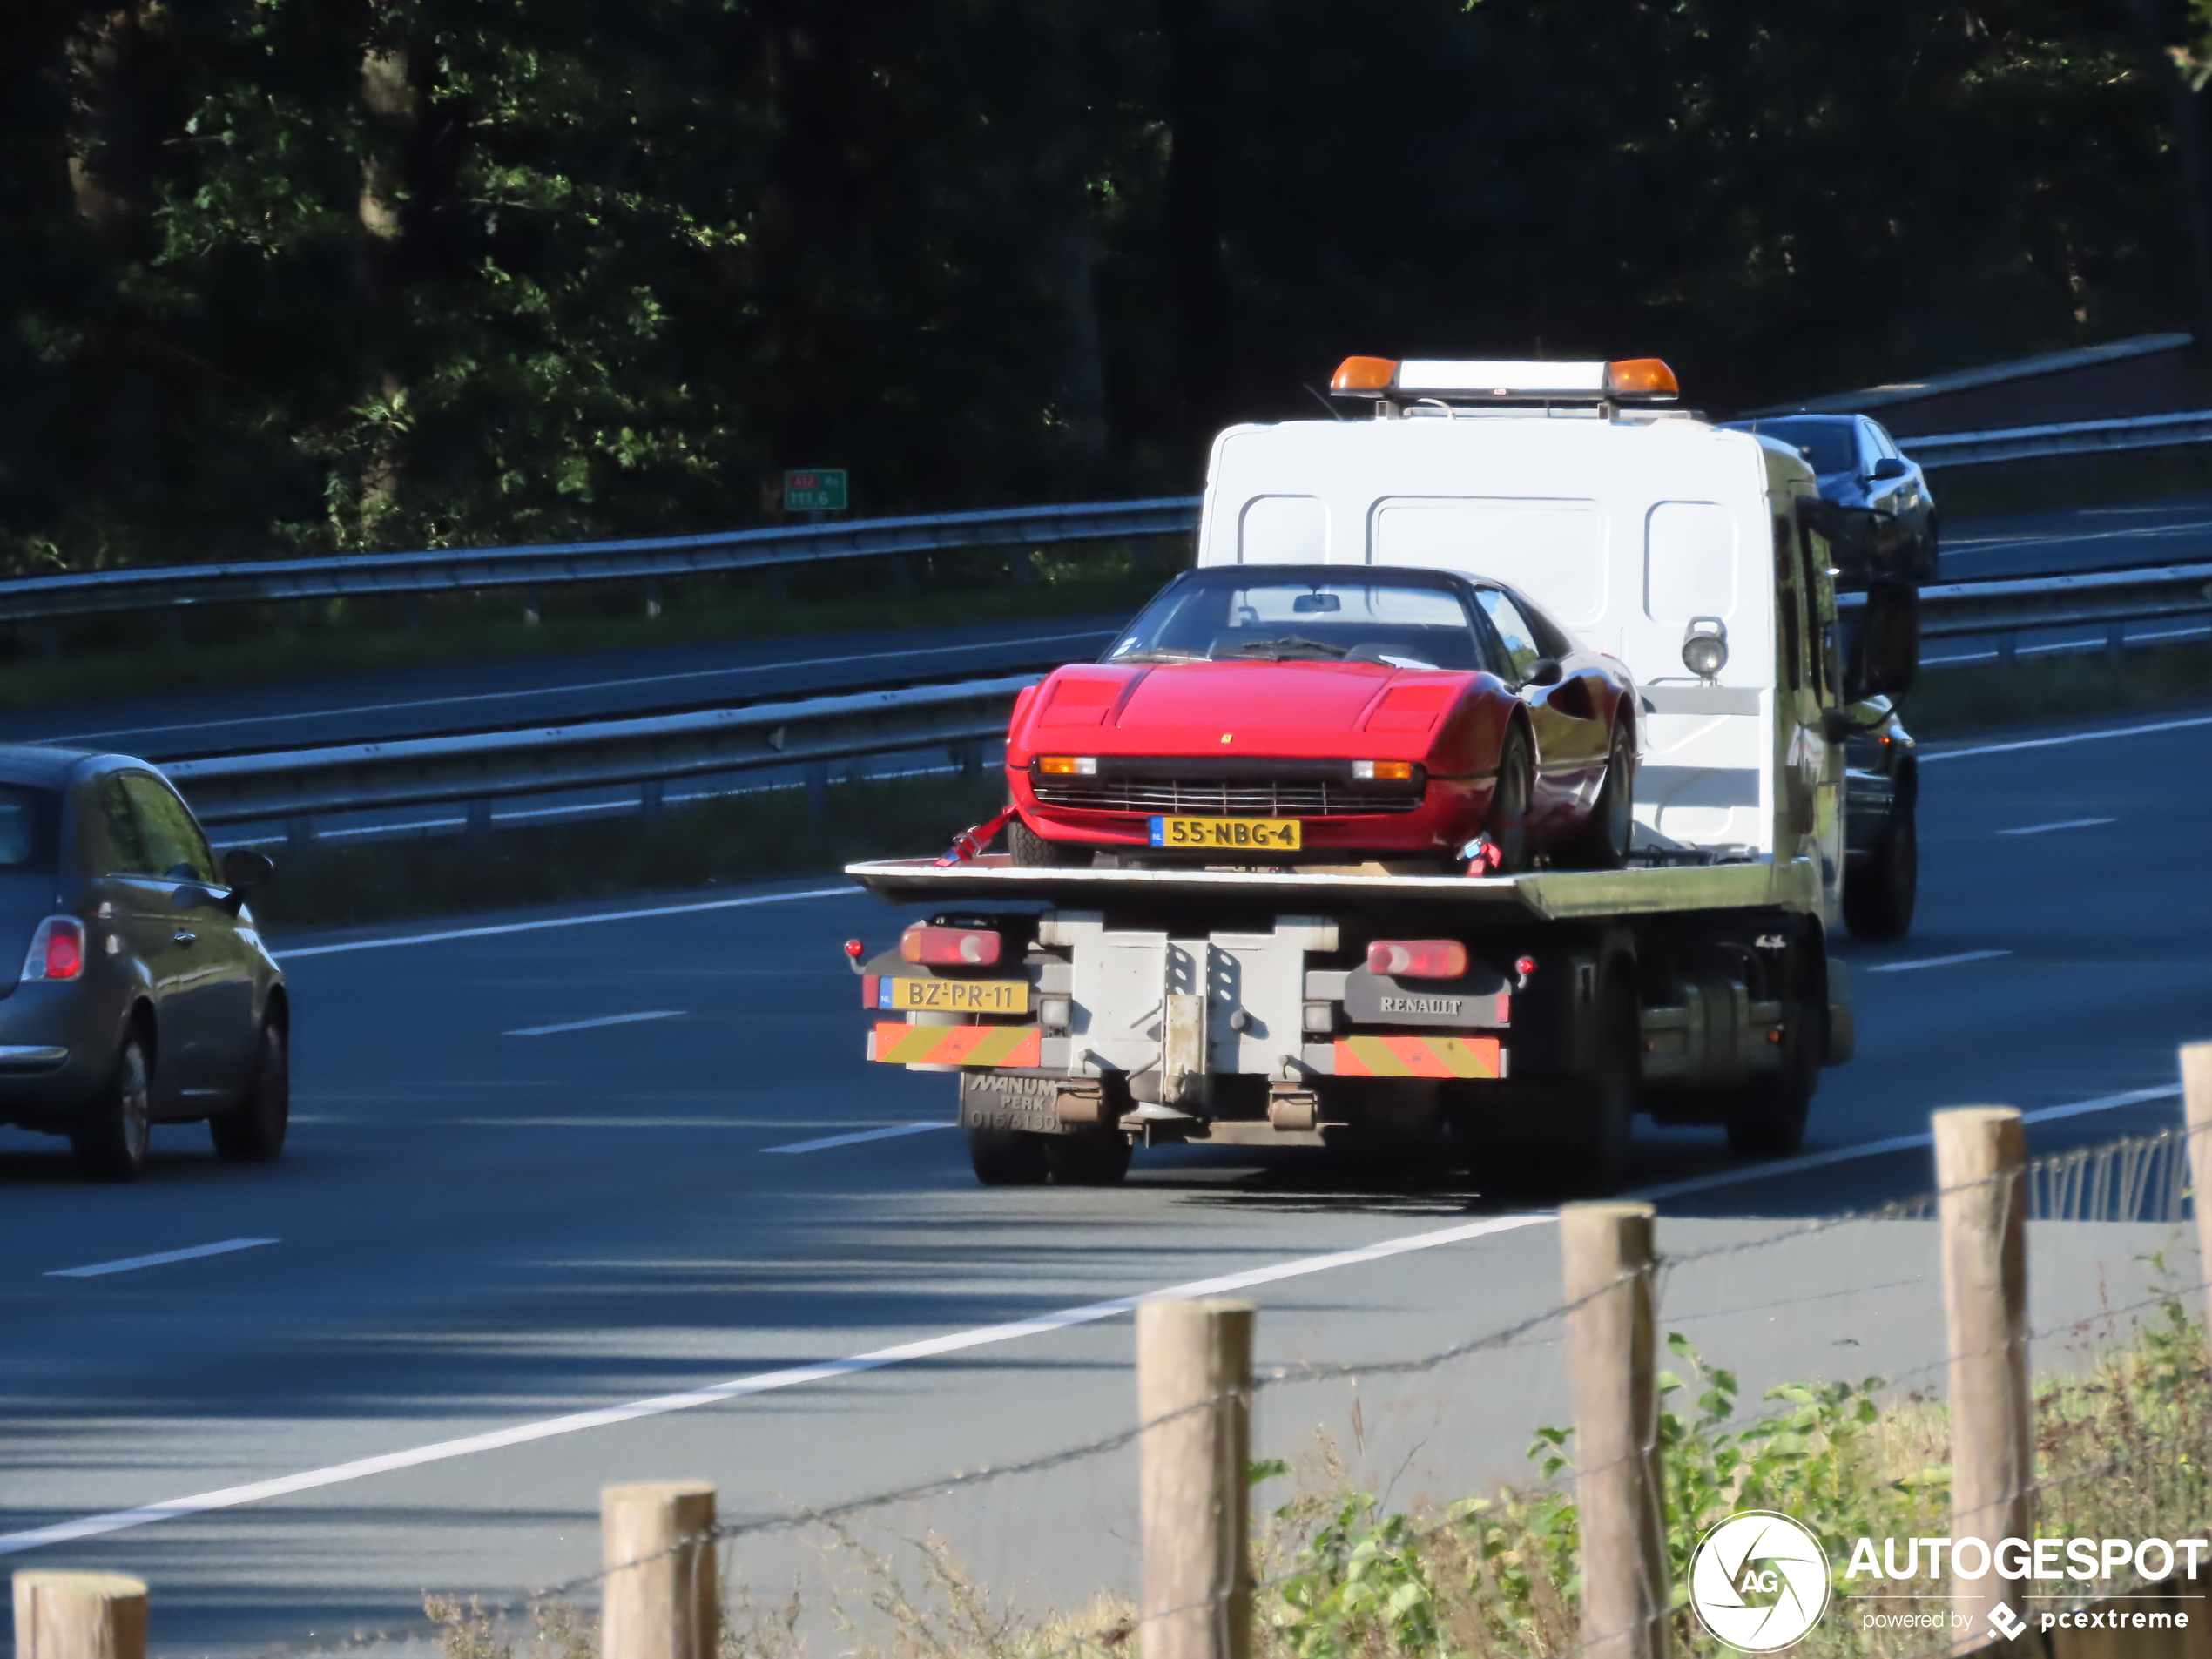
[
  {"x": 1881, "y": 516},
  {"x": 144, "y": 994}
]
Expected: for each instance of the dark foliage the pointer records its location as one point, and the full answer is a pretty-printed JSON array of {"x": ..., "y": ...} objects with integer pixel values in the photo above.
[{"x": 300, "y": 274}]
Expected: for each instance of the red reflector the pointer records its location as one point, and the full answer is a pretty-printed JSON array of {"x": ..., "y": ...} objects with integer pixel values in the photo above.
[
  {"x": 1417, "y": 958},
  {"x": 1525, "y": 966},
  {"x": 853, "y": 947},
  {"x": 949, "y": 946}
]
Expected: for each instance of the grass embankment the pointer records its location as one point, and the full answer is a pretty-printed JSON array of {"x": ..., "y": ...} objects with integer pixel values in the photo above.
[
  {"x": 140, "y": 655},
  {"x": 2054, "y": 483},
  {"x": 2120, "y": 1452}
]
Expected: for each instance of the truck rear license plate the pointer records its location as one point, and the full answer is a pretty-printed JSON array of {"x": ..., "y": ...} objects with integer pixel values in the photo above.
[
  {"x": 1255, "y": 834},
  {"x": 954, "y": 995}
]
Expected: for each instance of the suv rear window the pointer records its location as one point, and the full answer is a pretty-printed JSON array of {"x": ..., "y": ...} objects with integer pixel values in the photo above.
[{"x": 30, "y": 826}]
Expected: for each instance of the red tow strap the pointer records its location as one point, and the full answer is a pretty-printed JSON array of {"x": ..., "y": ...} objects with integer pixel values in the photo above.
[{"x": 970, "y": 843}]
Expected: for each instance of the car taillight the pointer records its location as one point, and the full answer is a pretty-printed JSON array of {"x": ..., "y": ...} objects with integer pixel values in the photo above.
[
  {"x": 1417, "y": 958},
  {"x": 941, "y": 947},
  {"x": 56, "y": 949}
]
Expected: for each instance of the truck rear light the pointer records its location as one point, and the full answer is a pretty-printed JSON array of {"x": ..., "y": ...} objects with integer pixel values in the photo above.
[
  {"x": 1383, "y": 772},
  {"x": 939, "y": 947},
  {"x": 1417, "y": 958},
  {"x": 1069, "y": 766},
  {"x": 56, "y": 949}
]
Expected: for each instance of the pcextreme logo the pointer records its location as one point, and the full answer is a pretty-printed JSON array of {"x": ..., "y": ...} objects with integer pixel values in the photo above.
[{"x": 1758, "y": 1580}]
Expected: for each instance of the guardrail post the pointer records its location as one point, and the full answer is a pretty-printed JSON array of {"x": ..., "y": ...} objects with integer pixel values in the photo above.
[
  {"x": 298, "y": 839},
  {"x": 969, "y": 757},
  {"x": 1194, "y": 1374},
  {"x": 533, "y": 609},
  {"x": 2008, "y": 647},
  {"x": 478, "y": 833},
  {"x": 2196, "y": 1108},
  {"x": 1612, "y": 1374},
  {"x": 818, "y": 787},
  {"x": 79, "y": 1616},
  {"x": 1981, "y": 1169},
  {"x": 2116, "y": 638},
  {"x": 652, "y": 598},
  {"x": 648, "y": 799},
  {"x": 656, "y": 1541}
]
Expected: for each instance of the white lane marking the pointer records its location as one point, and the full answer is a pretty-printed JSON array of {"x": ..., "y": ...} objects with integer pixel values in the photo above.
[
  {"x": 740, "y": 1387},
  {"x": 593, "y": 1025},
  {"x": 828, "y": 1141},
  {"x": 1896, "y": 1143},
  {"x": 589, "y": 685},
  {"x": 563, "y": 921},
  {"x": 131, "y": 1264},
  {"x": 1935, "y": 962},
  {"x": 2071, "y": 737},
  {"x": 2063, "y": 824}
]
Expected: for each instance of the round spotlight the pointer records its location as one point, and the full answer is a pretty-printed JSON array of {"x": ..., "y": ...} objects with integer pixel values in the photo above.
[{"x": 1704, "y": 647}]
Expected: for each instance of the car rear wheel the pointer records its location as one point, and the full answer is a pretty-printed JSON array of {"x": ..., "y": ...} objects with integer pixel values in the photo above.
[
  {"x": 1880, "y": 892},
  {"x": 1508, "y": 827},
  {"x": 252, "y": 1132},
  {"x": 1031, "y": 851},
  {"x": 115, "y": 1128},
  {"x": 1009, "y": 1157},
  {"x": 1605, "y": 842}
]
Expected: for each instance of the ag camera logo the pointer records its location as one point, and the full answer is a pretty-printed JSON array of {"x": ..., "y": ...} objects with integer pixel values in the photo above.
[{"x": 1759, "y": 1580}]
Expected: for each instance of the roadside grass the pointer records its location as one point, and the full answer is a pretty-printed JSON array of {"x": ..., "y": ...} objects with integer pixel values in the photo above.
[
  {"x": 139, "y": 655},
  {"x": 2051, "y": 689},
  {"x": 738, "y": 838},
  {"x": 2120, "y": 1453}
]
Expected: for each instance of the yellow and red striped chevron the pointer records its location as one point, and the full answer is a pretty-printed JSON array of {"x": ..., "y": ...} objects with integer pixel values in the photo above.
[
  {"x": 1400, "y": 1056},
  {"x": 900, "y": 1044}
]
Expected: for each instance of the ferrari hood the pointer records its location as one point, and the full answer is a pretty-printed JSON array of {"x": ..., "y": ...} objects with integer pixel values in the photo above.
[{"x": 1241, "y": 708}]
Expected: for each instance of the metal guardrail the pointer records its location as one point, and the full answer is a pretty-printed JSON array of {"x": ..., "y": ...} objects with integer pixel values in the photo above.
[
  {"x": 42, "y": 598},
  {"x": 2065, "y": 438},
  {"x": 252, "y": 582},
  {"x": 487, "y": 766},
  {"x": 479, "y": 767}
]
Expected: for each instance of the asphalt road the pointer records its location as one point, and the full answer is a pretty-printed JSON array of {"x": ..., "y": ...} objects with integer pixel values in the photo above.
[
  {"x": 539, "y": 691},
  {"x": 480, "y": 1232}
]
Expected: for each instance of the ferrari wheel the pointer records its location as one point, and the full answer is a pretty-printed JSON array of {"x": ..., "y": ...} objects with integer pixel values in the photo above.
[
  {"x": 1031, "y": 851},
  {"x": 1509, "y": 798},
  {"x": 1606, "y": 840}
]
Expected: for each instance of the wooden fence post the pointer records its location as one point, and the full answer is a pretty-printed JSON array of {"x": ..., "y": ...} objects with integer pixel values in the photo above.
[
  {"x": 1612, "y": 1359},
  {"x": 661, "y": 1601},
  {"x": 1194, "y": 1368},
  {"x": 79, "y": 1616},
  {"x": 1981, "y": 1168},
  {"x": 2197, "y": 1106}
]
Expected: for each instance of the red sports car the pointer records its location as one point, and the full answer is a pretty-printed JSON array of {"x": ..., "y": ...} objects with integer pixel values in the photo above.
[{"x": 1287, "y": 714}]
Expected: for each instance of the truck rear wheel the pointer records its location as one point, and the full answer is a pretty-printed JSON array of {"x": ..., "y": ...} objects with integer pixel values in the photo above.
[
  {"x": 1767, "y": 1116},
  {"x": 1086, "y": 1160},
  {"x": 1598, "y": 1127},
  {"x": 1009, "y": 1157}
]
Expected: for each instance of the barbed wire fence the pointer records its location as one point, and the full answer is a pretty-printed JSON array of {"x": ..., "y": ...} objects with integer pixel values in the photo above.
[{"x": 1308, "y": 1510}]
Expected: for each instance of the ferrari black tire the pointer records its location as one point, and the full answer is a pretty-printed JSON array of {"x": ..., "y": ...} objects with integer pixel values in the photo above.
[
  {"x": 252, "y": 1132},
  {"x": 1510, "y": 801},
  {"x": 1009, "y": 1157},
  {"x": 1087, "y": 1160},
  {"x": 1030, "y": 851},
  {"x": 113, "y": 1130},
  {"x": 1880, "y": 890},
  {"x": 1605, "y": 842}
]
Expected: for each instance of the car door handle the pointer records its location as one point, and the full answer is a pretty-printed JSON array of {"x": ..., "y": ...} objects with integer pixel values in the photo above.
[{"x": 184, "y": 938}]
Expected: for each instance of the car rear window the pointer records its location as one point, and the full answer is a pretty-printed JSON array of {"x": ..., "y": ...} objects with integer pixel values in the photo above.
[
  {"x": 1831, "y": 446},
  {"x": 29, "y": 820}
]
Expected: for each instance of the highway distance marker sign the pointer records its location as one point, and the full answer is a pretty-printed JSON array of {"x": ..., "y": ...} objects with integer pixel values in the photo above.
[{"x": 819, "y": 490}]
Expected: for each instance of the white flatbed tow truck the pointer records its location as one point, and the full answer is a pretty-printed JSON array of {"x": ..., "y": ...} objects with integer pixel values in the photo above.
[{"x": 1087, "y": 1010}]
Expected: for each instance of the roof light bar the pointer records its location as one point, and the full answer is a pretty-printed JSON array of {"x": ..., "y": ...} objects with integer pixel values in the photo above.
[{"x": 1504, "y": 380}]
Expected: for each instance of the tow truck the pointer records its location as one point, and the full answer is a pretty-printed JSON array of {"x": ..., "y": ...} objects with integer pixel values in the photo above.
[{"x": 1517, "y": 1022}]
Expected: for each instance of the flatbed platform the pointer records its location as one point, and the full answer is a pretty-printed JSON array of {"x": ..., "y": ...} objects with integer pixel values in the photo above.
[{"x": 1551, "y": 896}]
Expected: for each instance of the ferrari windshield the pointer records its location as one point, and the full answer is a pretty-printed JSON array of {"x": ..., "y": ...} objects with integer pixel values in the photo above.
[{"x": 1238, "y": 613}]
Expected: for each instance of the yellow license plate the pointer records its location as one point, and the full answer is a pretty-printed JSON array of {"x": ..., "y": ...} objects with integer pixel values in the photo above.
[
  {"x": 956, "y": 995},
  {"x": 1248, "y": 834}
]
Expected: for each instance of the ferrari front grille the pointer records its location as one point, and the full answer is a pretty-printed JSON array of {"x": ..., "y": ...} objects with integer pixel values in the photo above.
[{"x": 1222, "y": 797}]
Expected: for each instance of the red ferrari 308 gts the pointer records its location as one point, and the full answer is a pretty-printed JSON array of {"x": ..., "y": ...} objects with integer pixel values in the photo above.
[{"x": 1280, "y": 714}]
